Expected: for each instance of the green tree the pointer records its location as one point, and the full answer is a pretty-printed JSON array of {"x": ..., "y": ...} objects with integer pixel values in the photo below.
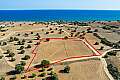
[
  {"x": 33, "y": 75},
  {"x": 19, "y": 68},
  {"x": 45, "y": 63}
]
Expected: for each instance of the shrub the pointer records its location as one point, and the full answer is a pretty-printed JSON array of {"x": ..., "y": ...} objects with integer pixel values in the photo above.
[
  {"x": 19, "y": 68},
  {"x": 45, "y": 63},
  {"x": 52, "y": 31},
  {"x": 101, "y": 48},
  {"x": 8, "y": 51},
  {"x": 26, "y": 57},
  {"x": 42, "y": 75},
  {"x": 29, "y": 46},
  {"x": 33, "y": 75},
  {"x": 23, "y": 63},
  {"x": 96, "y": 43},
  {"x": 11, "y": 54},
  {"x": 16, "y": 39},
  {"x": 112, "y": 53},
  {"x": 1, "y": 57},
  {"x": 12, "y": 59},
  {"x": 31, "y": 32},
  {"x": 66, "y": 69},
  {"x": 65, "y": 37},
  {"x": 22, "y": 52},
  {"x": 21, "y": 47},
  {"x": 47, "y": 32},
  {"x": 96, "y": 30},
  {"x": 30, "y": 41}
]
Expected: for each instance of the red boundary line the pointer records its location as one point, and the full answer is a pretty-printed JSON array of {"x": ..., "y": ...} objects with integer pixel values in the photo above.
[
  {"x": 92, "y": 46},
  {"x": 59, "y": 61},
  {"x": 69, "y": 57},
  {"x": 33, "y": 52}
]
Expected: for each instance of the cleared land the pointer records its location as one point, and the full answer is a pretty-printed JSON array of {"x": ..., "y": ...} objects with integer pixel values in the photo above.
[
  {"x": 60, "y": 49},
  {"x": 92, "y": 70}
]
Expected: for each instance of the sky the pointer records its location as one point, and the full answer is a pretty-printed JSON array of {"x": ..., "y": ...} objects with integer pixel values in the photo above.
[{"x": 60, "y": 4}]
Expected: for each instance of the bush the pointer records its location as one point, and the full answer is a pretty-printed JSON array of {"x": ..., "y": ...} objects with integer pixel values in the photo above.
[
  {"x": 106, "y": 42},
  {"x": 65, "y": 37},
  {"x": 21, "y": 47},
  {"x": 47, "y": 32},
  {"x": 16, "y": 39},
  {"x": 19, "y": 68},
  {"x": 96, "y": 43},
  {"x": 66, "y": 69},
  {"x": 12, "y": 59},
  {"x": 96, "y": 30},
  {"x": 11, "y": 54},
  {"x": 26, "y": 57},
  {"x": 112, "y": 53},
  {"x": 11, "y": 39},
  {"x": 1, "y": 57},
  {"x": 23, "y": 40},
  {"x": 8, "y": 51},
  {"x": 23, "y": 63},
  {"x": 52, "y": 31},
  {"x": 33, "y": 75},
  {"x": 22, "y": 52},
  {"x": 23, "y": 77},
  {"x": 31, "y": 32},
  {"x": 30, "y": 41},
  {"x": 45, "y": 63},
  {"x": 101, "y": 48},
  {"x": 42, "y": 75},
  {"x": 29, "y": 46}
]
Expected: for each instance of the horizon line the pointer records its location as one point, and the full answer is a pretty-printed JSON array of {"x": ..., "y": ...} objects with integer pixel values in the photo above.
[{"x": 65, "y": 9}]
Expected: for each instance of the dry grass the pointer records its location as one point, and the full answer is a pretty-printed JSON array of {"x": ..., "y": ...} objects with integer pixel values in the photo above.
[
  {"x": 60, "y": 49},
  {"x": 89, "y": 70}
]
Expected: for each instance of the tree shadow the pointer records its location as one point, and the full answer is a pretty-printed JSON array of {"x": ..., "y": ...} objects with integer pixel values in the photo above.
[{"x": 13, "y": 72}]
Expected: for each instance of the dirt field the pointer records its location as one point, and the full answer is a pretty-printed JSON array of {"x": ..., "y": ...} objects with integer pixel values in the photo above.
[
  {"x": 60, "y": 49},
  {"x": 88, "y": 70},
  {"x": 92, "y": 40}
]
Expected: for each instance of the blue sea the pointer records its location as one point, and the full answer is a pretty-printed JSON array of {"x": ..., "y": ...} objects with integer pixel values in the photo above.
[{"x": 55, "y": 15}]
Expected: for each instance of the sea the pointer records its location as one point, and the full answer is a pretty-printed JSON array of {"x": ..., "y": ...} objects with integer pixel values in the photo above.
[{"x": 56, "y": 15}]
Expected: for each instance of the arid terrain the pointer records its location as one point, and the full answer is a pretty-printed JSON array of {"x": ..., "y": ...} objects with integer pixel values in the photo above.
[{"x": 40, "y": 50}]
